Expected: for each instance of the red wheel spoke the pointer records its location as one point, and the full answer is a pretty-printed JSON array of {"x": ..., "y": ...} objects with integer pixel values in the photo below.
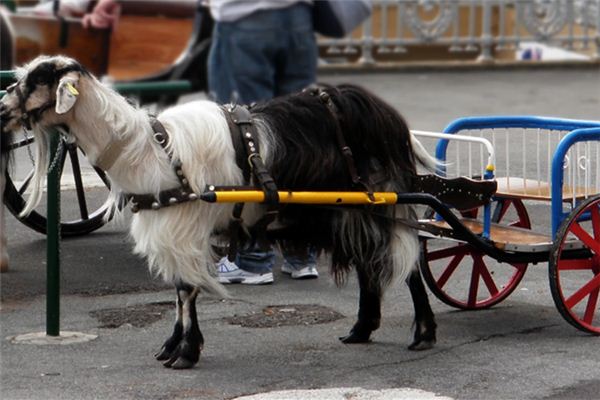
[
  {"x": 487, "y": 279},
  {"x": 595, "y": 211},
  {"x": 449, "y": 252},
  {"x": 571, "y": 265},
  {"x": 585, "y": 237},
  {"x": 586, "y": 289},
  {"x": 590, "y": 309},
  {"x": 474, "y": 286},
  {"x": 450, "y": 270},
  {"x": 519, "y": 267}
]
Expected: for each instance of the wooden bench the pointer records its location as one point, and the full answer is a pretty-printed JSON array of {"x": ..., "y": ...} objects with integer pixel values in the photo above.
[
  {"x": 35, "y": 35},
  {"x": 149, "y": 38},
  {"x": 532, "y": 189}
]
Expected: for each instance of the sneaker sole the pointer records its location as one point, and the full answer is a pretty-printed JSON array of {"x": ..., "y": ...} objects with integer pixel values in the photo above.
[
  {"x": 264, "y": 279},
  {"x": 308, "y": 275},
  {"x": 297, "y": 275}
]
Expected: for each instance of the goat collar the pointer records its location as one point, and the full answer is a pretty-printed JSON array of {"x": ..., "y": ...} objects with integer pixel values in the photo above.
[
  {"x": 107, "y": 158},
  {"x": 111, "y": 153}
]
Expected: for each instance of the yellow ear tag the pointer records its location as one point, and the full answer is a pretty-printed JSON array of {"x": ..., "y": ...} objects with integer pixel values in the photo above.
[{"x": 72, "y": 89}]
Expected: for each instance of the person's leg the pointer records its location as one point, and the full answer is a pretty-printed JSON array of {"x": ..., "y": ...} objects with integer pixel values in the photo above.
[
  {"x": 242, "y": 58},
  {"x": 299, "y": 261},
  {"x": 296, "y": 66},
  {"x": 251, "y": 267}
]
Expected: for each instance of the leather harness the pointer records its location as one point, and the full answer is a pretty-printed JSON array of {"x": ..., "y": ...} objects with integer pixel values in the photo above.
[{"x": 245, "y": 142}]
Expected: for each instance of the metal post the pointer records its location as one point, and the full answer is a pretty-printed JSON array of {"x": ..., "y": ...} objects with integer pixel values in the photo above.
[
  {"x": 487, "y": 40},
  {"x": 53, "y": 239}
]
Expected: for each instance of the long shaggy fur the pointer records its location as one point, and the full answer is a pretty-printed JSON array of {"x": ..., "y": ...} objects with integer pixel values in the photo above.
[{"x": 299, "y": 145}]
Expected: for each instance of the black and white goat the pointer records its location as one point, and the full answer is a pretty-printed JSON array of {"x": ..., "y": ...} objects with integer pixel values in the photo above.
[{"x": 298, "y": 143}]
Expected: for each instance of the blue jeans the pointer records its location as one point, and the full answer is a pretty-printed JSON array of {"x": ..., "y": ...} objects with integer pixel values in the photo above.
[
  {"x": 260, "y": 262},
  {"x": 266, "y": 54}
]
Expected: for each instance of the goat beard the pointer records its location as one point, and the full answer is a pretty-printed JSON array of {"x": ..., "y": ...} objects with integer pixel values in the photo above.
[{"x": 42, "y": 148}]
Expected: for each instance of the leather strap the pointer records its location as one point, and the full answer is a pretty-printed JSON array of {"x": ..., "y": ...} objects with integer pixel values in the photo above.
[
  {"x": 344, "y": 148},
  {"x": 245, "y": 142},
  {"x": 169, "y": 197},
  {"x": 107, "y": 158}
]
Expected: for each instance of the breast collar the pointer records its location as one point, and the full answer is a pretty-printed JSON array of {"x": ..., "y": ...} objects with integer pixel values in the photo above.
[
  {"x": 245, "y": 142},
  {"x": 169, "y": 197}
]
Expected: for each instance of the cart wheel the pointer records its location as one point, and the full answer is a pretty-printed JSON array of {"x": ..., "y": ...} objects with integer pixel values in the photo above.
[
  {"x": 575, "y": 277},
  {"x": 81, "y": 215},
  {"x": 447, "y": 265}
]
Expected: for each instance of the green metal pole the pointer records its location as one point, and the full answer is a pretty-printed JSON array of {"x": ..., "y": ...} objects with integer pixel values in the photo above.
[{"x": 53, "y": 239}]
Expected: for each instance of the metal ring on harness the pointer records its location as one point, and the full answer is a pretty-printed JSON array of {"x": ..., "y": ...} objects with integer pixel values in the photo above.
[
  {"x": 250, "y": 159},
  {"x": 159, "y": 138}
]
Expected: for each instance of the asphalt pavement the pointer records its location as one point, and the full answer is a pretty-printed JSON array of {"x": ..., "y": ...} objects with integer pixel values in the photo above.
[{"x": 284, "y": 336}]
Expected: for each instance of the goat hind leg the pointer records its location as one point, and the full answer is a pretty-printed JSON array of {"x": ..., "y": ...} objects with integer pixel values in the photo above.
[
  {"x": 425, "y": 325},
  {"x": 369, "y": 311},
  {"x": 187, "y": 352}
]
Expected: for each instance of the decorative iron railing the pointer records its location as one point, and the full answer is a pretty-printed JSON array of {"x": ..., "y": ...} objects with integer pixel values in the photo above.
[{"x": 471, "y": 31}]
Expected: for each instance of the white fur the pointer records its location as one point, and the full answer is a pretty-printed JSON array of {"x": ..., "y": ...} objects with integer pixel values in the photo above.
[{"x": 176, "y": 240}]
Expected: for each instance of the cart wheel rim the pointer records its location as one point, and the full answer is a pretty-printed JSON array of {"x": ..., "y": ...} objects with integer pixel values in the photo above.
[
  {"x": 486, "y": 286},
  {"x": 575, "y": 282}
]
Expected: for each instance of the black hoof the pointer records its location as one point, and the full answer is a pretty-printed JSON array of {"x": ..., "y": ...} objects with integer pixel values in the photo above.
[
  {"x": 163, "y": 354},
  {"x": 422, "y": 345},
  {"x": 356, "y": 337},
  {"x": 182, "y": 363},
  {"x": 184, "y": 356}
]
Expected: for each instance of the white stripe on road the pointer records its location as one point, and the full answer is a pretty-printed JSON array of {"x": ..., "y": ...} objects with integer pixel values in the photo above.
[{"x": 347, "y": 393}]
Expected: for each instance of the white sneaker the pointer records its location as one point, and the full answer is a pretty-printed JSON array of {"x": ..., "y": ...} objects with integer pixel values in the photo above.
[
  {"x": 308, "y": 272},
  {"x": 228, "y": 272}
]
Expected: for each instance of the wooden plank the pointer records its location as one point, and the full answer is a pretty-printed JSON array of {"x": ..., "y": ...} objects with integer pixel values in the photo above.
[
  {"x": 35, "y": 35},
  {"x": 503, "y": 237},
  {"x": 514, "y": 187}
]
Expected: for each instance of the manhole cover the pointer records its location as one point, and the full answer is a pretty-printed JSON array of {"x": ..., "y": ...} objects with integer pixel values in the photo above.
[
  {"x": 139, "y": 315},
  {"x": 287, "y": 315}
]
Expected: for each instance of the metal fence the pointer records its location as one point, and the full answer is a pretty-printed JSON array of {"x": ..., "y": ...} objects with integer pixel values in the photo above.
[{"x": 471, "y": 31}]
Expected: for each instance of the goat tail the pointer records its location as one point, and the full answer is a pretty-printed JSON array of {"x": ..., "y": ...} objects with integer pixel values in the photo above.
[{"x": 422, "y": 156}]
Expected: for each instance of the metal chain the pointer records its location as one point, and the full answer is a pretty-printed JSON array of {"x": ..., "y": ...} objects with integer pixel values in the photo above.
[
  {"x": 57, "y": 156},
  {"x": 28, "y": 147}
]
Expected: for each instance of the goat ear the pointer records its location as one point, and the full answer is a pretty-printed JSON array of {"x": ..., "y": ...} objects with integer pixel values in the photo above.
[{"x": 66, "y": 93}]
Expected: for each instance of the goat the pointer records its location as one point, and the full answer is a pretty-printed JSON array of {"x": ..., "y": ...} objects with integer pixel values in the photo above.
[{"x": 298, "y": 144}]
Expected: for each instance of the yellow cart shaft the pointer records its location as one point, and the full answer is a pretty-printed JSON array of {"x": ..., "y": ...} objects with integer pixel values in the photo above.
[{"x": 256, "y": 196}]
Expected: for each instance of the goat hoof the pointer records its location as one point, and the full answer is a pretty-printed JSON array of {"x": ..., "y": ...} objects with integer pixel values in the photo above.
[
  {"x": 419, "y": 345},
  {"x": 182, "y": 363},
  {"x": 356, "y": 337},
  {"x": 163, "y": 354}
]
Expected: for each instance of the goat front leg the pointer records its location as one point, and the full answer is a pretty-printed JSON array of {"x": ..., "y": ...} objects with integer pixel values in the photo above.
[
  {"x": 425, "y": 325},
  {"x": 182, "y": 349},
  {"x": 172, "y": 342}
]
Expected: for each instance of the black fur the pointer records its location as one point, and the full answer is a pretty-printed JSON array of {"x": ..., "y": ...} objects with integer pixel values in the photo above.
[{"x": 307, "y": 156}]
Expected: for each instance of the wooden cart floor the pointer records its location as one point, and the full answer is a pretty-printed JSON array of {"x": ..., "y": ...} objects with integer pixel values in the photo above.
[{"x": 504, "y": 237}]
